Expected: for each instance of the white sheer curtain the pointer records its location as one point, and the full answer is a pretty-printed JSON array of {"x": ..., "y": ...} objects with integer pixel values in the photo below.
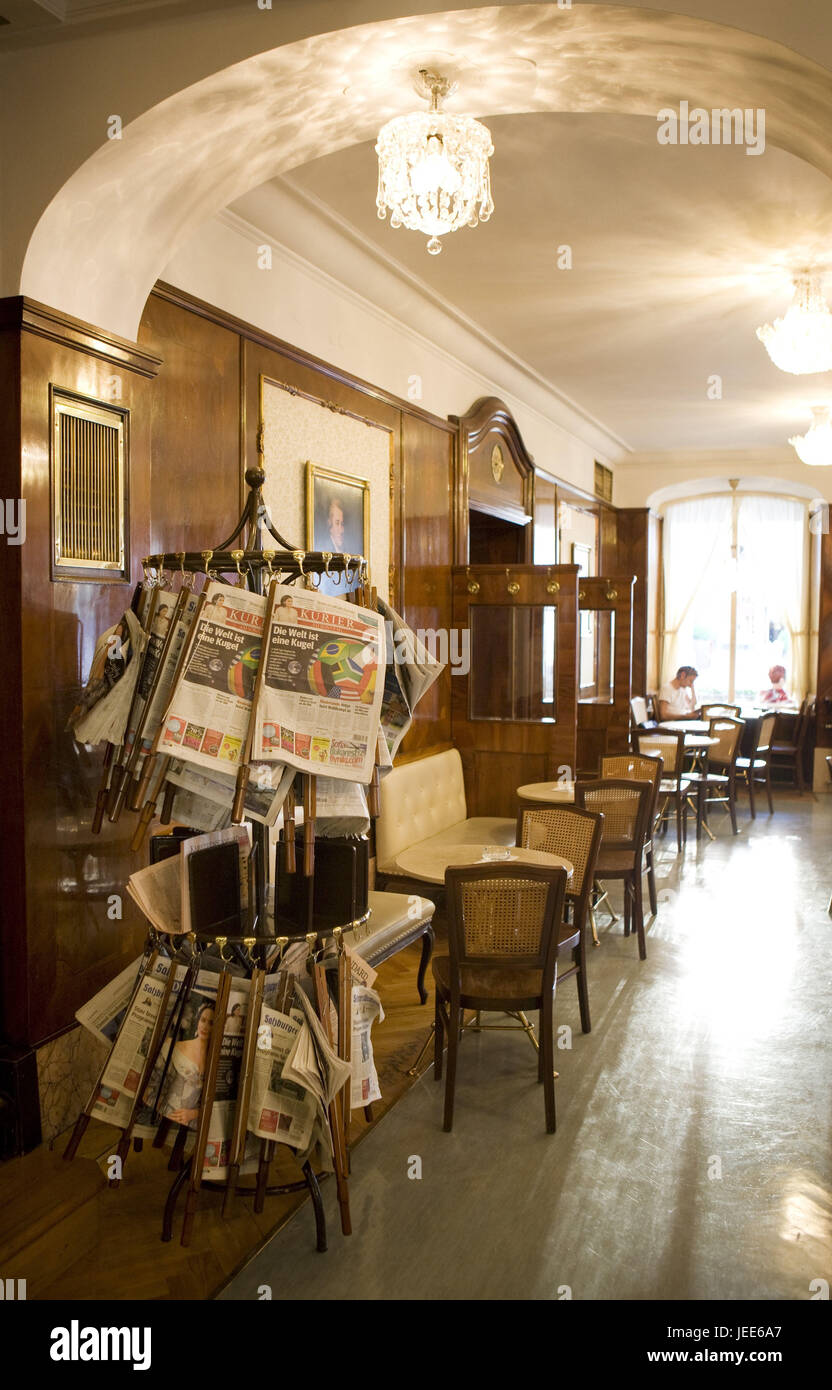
[
  {"x": 774, "y": 572},
  {"x": 695, "y": 540}
]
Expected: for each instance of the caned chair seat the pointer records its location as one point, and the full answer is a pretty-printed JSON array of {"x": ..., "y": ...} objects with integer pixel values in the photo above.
[
  {"x": 612, "y": 862},
  {"x": 668, "y": 784}
]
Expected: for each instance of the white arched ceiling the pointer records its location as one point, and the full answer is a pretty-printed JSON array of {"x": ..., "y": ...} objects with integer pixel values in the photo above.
[{"x": 101, "y": 243}]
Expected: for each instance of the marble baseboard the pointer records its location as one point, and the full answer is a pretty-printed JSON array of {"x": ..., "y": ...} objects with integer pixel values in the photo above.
[{"x": 67, "y": 1071}]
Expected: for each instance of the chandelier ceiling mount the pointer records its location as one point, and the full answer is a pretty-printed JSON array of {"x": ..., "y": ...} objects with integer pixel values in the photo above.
[{"x": 433, "y": 174}]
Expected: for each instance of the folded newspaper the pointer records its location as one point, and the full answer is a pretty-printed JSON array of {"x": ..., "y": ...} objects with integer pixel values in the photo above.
[
  {"x": 320, "y": 699},
  {"x": 104, "y": 706}
]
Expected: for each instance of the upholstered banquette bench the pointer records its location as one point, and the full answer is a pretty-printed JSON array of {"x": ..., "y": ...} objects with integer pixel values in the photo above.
[{"x": 423, "y": 805}]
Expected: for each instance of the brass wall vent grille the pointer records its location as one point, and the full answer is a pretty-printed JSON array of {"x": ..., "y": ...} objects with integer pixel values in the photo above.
[
  {"x": 89, "y": 488},
  {"x": 603, "y": 482}
]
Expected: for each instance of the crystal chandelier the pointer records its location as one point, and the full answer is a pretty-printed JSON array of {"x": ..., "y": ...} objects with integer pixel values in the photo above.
[
  {"x": 815, "y": 446},
  {"x": 433, "y": 168},
  {"x": 801, "y": 342}
]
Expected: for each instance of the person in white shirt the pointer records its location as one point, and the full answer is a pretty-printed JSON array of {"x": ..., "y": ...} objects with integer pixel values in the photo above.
[{"x": 677, "y": 697}]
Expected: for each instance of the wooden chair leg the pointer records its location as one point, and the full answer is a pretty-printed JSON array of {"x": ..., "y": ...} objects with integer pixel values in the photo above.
[
  {"x": 547, "y": 1061},
  {"x": 639, "y": 915},
  {"x": 732, "y": 804},
  {"x": 768, "y": 789},
  {"x": 583, "y": 984},
  {"x": 700, "y": 810},
  {"x": 627, "y": 906},
  {"x": 751, "y": 793},
  {"x": 450, "y": 1075},
  {"x": 438, "y": 1039},
  {"x": 798, "y": 772},
  {"x": 651, "y": 885}
]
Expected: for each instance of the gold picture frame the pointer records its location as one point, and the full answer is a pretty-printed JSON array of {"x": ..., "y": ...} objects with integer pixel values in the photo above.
[{"x": 337, "y": 519}]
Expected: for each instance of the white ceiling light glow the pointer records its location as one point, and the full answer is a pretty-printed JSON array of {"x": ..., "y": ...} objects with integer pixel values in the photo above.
[
  {"x": 433, "y": 174},
  {"x": 801, "y": 342},
  {"x": 815, "y": 446}
]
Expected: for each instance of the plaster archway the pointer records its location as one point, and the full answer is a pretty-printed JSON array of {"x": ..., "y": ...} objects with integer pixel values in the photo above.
[{"x": 102, "y": 241}]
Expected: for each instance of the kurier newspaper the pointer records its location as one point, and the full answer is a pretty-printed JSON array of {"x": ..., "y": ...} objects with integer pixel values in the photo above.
[
  {"x": 320, "y": 699},
  {"x": 210, "y": 709}
]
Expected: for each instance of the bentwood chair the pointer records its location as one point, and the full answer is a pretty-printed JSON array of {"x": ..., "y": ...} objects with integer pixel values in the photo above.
[
  {"x": 756, "y": 768},
  {"x": 640, "y": 768},
  {"x": 714, "y": 711},
  {"x": 625, "y": 806},
  {"x": 717, "y": 783},
  {"x": 790, "y": 754},
  {"x": 504, "y": 924},
  {"x": 574, "y": 835},
  {"x": 669, "y": 745}
]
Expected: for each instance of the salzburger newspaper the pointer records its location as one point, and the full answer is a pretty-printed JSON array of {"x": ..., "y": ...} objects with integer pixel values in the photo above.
[
  {"x": 279, "y": 1109},
  {"x": 209, "y": 712},
  {"x": 320, "y": 699}
]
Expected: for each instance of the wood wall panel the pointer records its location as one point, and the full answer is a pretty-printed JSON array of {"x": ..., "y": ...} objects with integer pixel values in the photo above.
[
  {"x": 500, "y": 755},
  {"x": 195, "y": 473},
  {"x": 632, "y": 558},
  {"x": 427, "y": 552},
  {"x": 67, "y": 943}
]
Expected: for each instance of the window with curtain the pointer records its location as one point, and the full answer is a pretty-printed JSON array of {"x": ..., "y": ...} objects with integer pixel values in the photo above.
[{"x": 736, "y": 593}]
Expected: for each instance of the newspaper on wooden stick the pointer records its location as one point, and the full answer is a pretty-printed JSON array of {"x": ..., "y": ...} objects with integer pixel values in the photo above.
[
  {"x": 410, "y": 671},
  {"x": 210, "y": 708},
  {"x": 281, "y": 1108},
  {"x": 366, "y": 1009},
  {"x": 121, "y": 1077},
  {"x": 322, "y": 686}
]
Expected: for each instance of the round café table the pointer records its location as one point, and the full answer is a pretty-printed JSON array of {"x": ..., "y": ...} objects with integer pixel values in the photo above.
[
  {"x": 548, "y": 792},
  {"x": 429, "y": 863}
]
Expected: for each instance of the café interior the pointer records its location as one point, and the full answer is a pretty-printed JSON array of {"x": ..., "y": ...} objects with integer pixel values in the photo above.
[{"x": 596, "y": 876}]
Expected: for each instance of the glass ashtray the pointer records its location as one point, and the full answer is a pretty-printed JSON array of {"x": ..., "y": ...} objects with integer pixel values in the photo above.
[{"x": 494, "y": 853}]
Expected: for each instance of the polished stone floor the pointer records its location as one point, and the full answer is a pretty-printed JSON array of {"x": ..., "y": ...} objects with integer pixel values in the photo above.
[{"x": 692, "y": 1157}]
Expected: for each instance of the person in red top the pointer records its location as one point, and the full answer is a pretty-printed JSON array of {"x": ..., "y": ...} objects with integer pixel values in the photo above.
[{"x": 777, "y": 694}]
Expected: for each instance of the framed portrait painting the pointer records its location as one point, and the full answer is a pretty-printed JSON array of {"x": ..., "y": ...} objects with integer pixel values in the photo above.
[{"x": 337, "y": 520}]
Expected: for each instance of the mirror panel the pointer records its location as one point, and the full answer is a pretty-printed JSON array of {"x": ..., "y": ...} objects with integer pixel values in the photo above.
[
  {"x": 596, "y": 656},
  {"x": 513, "y": 662}
]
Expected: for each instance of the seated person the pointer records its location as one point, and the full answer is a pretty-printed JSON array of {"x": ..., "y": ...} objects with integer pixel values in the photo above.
[
  {"x": 777, "y": 694},
  {"x": 677, "y": 697}
]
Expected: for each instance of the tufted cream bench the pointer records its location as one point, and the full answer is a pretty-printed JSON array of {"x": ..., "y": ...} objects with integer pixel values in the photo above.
[{"x": 423, "y": 803}]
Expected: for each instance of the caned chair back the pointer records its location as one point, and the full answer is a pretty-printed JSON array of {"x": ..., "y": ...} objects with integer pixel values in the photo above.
[
  {"x": 727, "y": 733},
  {"x": 667, "y": 745},
  {"x": 714, "y": 711},
  {"x": 635, "y": 767},
  {"x": 638, "y": 709},
  {"x": 564, "y": 830},
  {"x": 765, "y": 732},
  {"x": 504, "y": 915},
  {"x": 625, "y": 806}
]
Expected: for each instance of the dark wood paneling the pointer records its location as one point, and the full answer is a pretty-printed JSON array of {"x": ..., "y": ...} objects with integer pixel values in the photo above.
[
  {"x": 427, "y": 552},
  {"x": 500, "y": 755},
  {"x": 823, "y": 729},
  {"x": 488, "y": 424},
  {"x": 71, "y": 944},
  {"x": 14, "y": 960},
  {"x": 632, "y": 558},
  {"x": 194, "y": 428},
  {"x": 603, "y": 727}
]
